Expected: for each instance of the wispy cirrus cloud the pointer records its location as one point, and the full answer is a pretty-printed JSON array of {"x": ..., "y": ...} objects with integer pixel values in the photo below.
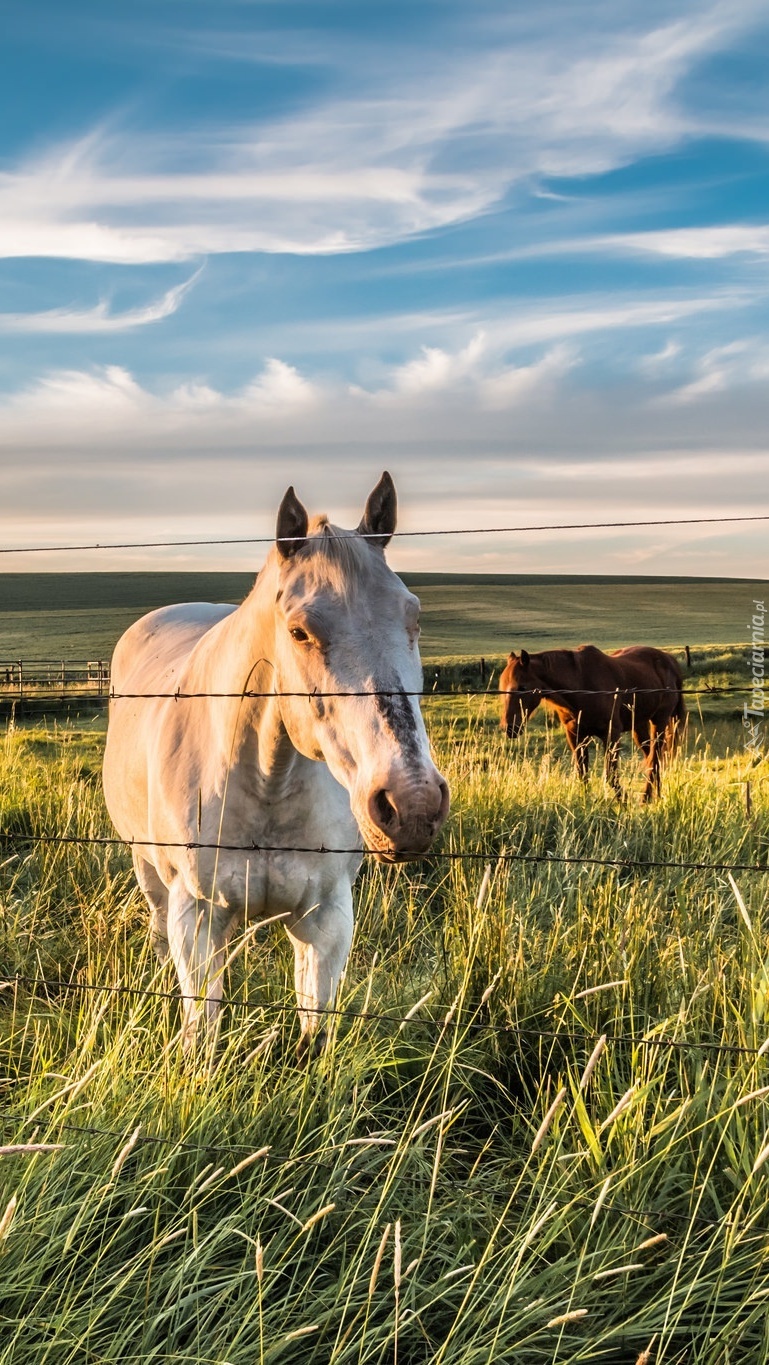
[
  {"x": 498, "y": 328},
  {"x": 98, "y": 318},
  {"x": 707, "y": 243},
  {"x": 739, "y": 364},
  {"x": 399, "y": 152},
  {"x": 693, "y": 243}
]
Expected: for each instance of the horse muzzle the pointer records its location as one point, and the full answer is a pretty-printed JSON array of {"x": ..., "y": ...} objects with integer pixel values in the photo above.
[{"x": 401, "y": 821}]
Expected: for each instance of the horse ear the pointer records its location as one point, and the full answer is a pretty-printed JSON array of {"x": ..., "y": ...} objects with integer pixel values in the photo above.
[
  {"x": 525, "y": 657},
  {"x": 378, "y": 520},
  {"x": 291, "y": 530}
]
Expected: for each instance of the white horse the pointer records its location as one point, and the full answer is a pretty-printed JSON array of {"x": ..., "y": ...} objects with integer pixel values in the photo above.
[{"x": 333, "y": 749}]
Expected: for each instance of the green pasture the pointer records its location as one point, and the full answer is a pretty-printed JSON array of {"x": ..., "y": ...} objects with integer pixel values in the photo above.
[
  {"x": 539, "y": 1133},
  {"x": 81, "y": 616}
]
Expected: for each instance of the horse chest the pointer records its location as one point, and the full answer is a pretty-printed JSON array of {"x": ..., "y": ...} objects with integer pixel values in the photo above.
[
  {"x": 263, "y": 884},
  {"x": 261, "y": 856}
]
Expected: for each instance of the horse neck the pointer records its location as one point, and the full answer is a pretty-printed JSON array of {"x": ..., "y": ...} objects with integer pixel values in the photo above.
[
  {"x": 559, "y": 669},
  {"x": 240, "y": 659}
]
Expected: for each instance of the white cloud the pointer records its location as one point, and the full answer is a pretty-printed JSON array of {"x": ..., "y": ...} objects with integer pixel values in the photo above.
[
  {"x": 106, "y": 408},
  {"x": 111, "y": 391},
  {"x": 85, "y": 409},
  {"x": 470, "y": 398},
  {"x": 280, "y": 387},
  {"x": 737, "y": 364},
  {"x": 476, "y": 374},
  {"x": 513, "y": 383},
  {"x": 691, "y": 243},
  {"x": 554, "y": 322},
  {"x": 658, "y": 361},
  {"x": 436, "y": 370},
  {"x": 99, "y": 318},
  {"x": 417, "y": 149},
  {"x": 504, "y": 327}
]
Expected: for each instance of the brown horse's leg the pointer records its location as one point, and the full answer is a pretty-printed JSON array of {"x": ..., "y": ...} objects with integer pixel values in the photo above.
[
  {"x": 646, "y": 737},
  {"x": 657, "y": 739},
  {"x": 578, "y": 748},
  {"x": 611, "y": 760}
]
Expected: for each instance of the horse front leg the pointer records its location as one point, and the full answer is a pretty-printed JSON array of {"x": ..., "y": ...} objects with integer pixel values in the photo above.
[
  {"x": 579, "y": 748},
  {"x": 653, "y": 759},
  {"x": 156, "y": 896},
  {"x": 321, "y": 939},
  {"x": 611, "y": 762},
  {"x": 647, "y": 739},
  {"x": 196, "y": 940}
]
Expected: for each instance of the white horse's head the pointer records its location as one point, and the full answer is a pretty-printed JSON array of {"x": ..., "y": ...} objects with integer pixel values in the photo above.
[{"x": 346, "y": 632}]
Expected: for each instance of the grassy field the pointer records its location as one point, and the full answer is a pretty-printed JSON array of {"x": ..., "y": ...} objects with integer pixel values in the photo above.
[
  {"x": 81, "y": 616},
  {"x": 561, "y": 1157}
]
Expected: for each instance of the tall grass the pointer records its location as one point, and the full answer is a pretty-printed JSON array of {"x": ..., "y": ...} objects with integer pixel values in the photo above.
[{"x": 486, "y": 1182}]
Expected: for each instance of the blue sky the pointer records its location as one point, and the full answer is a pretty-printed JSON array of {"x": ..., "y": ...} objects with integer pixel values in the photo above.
[{"x": 516, "y": 254}]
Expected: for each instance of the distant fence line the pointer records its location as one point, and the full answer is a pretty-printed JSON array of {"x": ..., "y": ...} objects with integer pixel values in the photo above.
[
  {"x": 89, "y": 680},
  {"x": 31, "y": 677}
]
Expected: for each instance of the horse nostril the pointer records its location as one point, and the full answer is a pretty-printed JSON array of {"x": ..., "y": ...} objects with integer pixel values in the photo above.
[{"x": 385, "y": 808}]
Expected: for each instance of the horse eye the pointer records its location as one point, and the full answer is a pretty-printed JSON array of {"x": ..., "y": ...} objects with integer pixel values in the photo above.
[{"x": 299, "y": 635}]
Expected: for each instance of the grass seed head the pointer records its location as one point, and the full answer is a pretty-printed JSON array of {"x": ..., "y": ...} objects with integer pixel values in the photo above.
[
  {"x": 316, "y": 1217},
  {"x": 125, "y": 1152},
  {"x": 548, "y": 1119},
  {"x": 248, "y": 1161},
  {"x": 761, "y": 1158},
  {"x": 619, "y": 1270},
  {"x": 378, "y": 1260},
  {"x": 592, "y": 1062},
  {"x": 397, "y": 1254},
  {"x": 30, "y": 1148},
  {"x": 573, "y": 1316},
  {"x": 7, "y": 1218},
  {"x": 645, "y": 1356}
]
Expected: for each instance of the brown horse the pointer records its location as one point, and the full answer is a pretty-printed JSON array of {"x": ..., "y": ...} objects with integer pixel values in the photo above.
[{"x": 601, "y": 696}]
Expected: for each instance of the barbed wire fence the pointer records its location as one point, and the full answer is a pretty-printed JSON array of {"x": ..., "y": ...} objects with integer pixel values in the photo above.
[{"x": 57, "y": 675}]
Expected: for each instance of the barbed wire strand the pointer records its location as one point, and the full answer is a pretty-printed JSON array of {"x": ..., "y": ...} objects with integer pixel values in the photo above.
[
  {"x": 359, "y": 535},
  {"x": 372, "y": 1016},
  {"x": 624, "y": 694},
  {"x": 452, "y": 855},
  {"x": 238, "y": 1149}
]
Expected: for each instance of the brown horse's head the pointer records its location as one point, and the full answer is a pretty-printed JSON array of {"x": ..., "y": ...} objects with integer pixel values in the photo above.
[{"x": 518, "y": 686}]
